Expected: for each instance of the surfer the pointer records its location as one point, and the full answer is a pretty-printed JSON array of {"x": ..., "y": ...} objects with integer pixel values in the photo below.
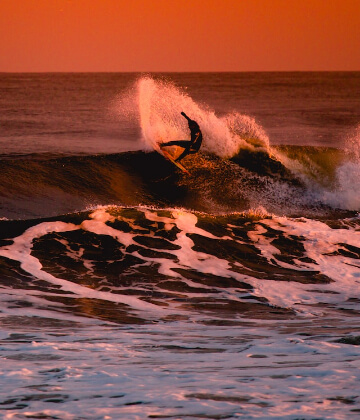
[{"x": 190, "y": 146}]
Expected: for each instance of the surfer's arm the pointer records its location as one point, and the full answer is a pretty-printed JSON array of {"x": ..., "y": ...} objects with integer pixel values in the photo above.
[
  {"x": 185, "y": 116},
  {"x": 193, "y": 140}
]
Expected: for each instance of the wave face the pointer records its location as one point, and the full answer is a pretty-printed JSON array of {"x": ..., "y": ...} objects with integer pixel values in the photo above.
[{"x": 313, "y": 182}]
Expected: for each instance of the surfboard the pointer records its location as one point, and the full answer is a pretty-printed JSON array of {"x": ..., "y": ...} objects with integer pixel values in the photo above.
[{"x": 171, "y": 159}]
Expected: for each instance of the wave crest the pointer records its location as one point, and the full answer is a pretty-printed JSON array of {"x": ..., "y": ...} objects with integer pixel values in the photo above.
[{"x": 159, "y": 105}]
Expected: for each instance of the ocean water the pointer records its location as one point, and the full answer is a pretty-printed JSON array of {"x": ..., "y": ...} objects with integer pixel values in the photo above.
[{"x": 130, "y": 290}]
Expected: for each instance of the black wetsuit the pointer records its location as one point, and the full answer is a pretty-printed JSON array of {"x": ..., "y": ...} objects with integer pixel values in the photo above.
[{"x": 192, "y": 145}]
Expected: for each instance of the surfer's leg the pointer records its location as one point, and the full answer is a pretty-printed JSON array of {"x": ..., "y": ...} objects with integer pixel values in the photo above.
[
  {"x": 186, "y": 152},
  {"x": 183, "y": 154},
  {"x": 181, "y": 143}
]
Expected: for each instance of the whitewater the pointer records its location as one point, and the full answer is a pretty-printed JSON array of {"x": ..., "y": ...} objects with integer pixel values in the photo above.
[{"x": 131, "y": 290}]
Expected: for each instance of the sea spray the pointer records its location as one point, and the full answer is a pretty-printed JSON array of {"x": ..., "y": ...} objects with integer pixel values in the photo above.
[
  {"x": 159, "y": 106},
  {"x": 346, "y": 194},
  {"x": 335, "y": 173},
  {"x": 352, "y": 144}
]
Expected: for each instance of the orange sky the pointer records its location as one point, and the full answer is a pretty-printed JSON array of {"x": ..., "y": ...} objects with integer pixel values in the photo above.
[{"x": 179, "y": 35}]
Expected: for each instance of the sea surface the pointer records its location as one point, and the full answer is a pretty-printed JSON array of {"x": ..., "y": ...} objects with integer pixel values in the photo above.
[{"x": 130, "y": 290}]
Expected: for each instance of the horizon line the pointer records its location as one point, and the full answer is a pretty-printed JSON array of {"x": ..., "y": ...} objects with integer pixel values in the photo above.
[{"x": 173, "y": 72}]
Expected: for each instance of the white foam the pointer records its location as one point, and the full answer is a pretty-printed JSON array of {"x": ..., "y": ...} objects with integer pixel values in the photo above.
[
  {"x": 20, "y": 251},
  {"x": 98, "y": 226},
  {"x": 319, "y": 241},
  {"x": 186, "y": 256},
  {"x": 179, "y": 370},
  {"x": 286, "y": 295}
]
